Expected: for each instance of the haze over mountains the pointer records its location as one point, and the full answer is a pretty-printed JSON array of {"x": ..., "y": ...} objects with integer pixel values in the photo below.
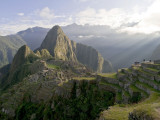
[
  {"x": 121, "y": 49},
  {"x": 63, "y": 80}
]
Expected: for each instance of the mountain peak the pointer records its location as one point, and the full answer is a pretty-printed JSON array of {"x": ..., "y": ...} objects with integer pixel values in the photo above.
[
  {"x": 56, "y": 30},
  {"x": 21, "y": 56},
  {"x": 58, "y": 44}
]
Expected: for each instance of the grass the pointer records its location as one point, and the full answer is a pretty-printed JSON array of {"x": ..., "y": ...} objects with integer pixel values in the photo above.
[
  {"x": 119, "y": 96},
  {"x": 121, "y": 113},
  {"x": 109, "y": 75},
  {"x": 147, "y": 86},
  {"x": 141, "y": 70},
  {"x": 53, "y": 66},
  {"x": 135, "y": 89},
  {"x": 84, "y": 78},
  {"x": 153, "y": 81},
  {"x": 111, "y": 84},
  {"x": 126, "y": 93},
  {"x": 153, "y": 69}
]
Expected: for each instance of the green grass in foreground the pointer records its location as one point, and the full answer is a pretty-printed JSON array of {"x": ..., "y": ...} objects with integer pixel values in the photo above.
[{"x": 150, "y": 106}]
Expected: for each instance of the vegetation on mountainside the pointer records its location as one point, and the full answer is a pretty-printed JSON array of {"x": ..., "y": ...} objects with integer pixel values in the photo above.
[
  {"x": 85, "y": 105},
  {"x": 8, "y": 48}
]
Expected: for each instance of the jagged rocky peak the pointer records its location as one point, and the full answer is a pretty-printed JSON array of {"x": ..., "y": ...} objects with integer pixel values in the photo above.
[
  {"x": 21, "y": 56},
  {"x": 58, "y": 44}
]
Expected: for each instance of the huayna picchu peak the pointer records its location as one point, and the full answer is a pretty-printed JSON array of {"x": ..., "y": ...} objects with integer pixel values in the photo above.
[
  {"x": 65, "y": 80},
  {"x": 61, "y": 47},
  {"x": 58, "y": 44}
]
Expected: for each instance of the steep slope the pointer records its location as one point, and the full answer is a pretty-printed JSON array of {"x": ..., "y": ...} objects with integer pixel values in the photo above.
[
  {"x": 54, "y": 83},
  {"x": 57, "y": 92},
  {"x": 91, "y": 58},
  {"x": 23, "y": 54},
  {"x": 20, "y": 66},
  {"x": 8, "y": 48},
  {"x": 142, "y": 85},
  {"x": 10, "y": 44},
  {"x": 58, "y": 44}
]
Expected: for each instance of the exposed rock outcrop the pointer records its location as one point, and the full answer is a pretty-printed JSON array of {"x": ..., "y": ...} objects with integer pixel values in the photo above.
[
  {"x": 21, "y": 57},
  {"x": 91, "y": 58},
  {"x": 58, "y": 44}
]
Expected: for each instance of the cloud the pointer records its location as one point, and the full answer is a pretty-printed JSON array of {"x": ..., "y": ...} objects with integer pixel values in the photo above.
[
  {"x": 114, "y": 17},
  {"x": 46, "y": 13},
  {"x": 149, "y": 21},
  {"x": 41, "y": 17},
  {"x": 20, "y": 14},
  {"x": 135, "y": 20}
]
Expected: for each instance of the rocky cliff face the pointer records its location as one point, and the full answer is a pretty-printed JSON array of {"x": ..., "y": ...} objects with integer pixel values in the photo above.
[
  {"x": 61, "y": 47},
  {"x": 58, "y": 44},
  {"x": 91, "y": 58}
]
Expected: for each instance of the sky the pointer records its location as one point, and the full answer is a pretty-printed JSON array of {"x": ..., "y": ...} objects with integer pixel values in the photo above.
[{"x": 132, "y": 16}]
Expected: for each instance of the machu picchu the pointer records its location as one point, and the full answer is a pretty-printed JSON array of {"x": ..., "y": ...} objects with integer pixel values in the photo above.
[
  {"x": 76, "y": 83},
  {"x": 142, "y": 86}
]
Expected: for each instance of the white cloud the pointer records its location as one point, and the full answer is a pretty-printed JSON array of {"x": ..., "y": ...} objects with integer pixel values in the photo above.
[
  {"x": 42, "y": 18},
  {"x": 149, "y": 22},
  {"x": 20, "y": 14},
  {"x": 114, "y": 17},
  {"x": 46, "y": 13},
  {"x": 136, "y": 20}
]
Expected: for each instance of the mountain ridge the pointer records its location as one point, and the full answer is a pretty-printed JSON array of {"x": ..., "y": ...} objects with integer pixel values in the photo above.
[{"x": 61, "y": 47}]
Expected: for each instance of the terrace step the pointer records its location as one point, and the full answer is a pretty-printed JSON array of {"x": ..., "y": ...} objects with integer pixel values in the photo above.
[
  {"x": 152, "y": 83},
  {"x": 151, "y": 70},
  {"x": 149, "y": 65},
  {"x": 145, "y": 87},
  {"x": 145, "y": 74},
  {"x": 133, "y": 89}
]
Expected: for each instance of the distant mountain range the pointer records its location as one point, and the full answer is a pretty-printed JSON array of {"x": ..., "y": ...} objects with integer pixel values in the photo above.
[
  {"x": 59, "y": 45},
  {"x": 121, "y": 49}
]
